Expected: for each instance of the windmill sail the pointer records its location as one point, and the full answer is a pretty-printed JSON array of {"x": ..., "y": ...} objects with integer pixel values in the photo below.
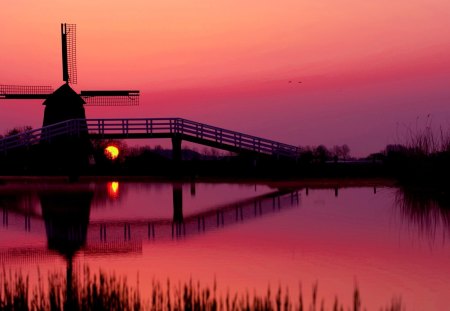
[
  {"x": 25, "y": 91},
  {"x": 111, "y": 98},
  {"x": 59, "y": 103},
  {"x": 69, "y": 52}
]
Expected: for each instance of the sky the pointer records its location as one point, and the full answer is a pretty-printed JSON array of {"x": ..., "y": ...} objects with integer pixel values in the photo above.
[{"x": 370, "y": 71}]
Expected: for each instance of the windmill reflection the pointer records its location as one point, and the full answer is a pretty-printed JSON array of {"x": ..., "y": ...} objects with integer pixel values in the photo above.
[{"x": 66, "y": 216}]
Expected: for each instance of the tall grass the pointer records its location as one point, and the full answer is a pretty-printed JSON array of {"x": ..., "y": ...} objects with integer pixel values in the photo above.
[
  {"x": 426, "y": 139},
  {"x": 101, "y": 291},
  {"x": 422, "y": 156}
]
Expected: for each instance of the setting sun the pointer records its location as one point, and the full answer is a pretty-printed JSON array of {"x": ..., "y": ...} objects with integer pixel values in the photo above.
[{"x": 112, "y": 152}]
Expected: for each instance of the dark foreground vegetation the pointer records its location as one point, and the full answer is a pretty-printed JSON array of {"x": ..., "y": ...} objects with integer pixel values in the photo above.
[
  {"x": 156, "y": 161},
  {"x": 421, "y": 159},
  {"x": 105, "y": 292}
]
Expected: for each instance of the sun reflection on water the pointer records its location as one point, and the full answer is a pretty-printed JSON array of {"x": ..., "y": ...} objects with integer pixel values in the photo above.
[{"x": 113, "y": 189}]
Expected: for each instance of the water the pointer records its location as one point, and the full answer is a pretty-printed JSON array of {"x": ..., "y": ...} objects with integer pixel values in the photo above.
[{"x": 241, "y": 236}]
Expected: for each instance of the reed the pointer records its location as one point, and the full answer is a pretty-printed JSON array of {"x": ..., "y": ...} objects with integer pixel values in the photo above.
[
  {"x": 100, "y": 291},
  {"x": 426, "y": 139}
]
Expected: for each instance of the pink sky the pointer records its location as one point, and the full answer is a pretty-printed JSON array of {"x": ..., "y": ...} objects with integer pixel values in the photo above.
[{"x": 368, "y": 68}]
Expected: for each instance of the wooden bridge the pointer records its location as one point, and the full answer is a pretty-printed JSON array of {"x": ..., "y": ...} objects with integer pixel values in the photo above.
[{"x": 177, "y": 129}]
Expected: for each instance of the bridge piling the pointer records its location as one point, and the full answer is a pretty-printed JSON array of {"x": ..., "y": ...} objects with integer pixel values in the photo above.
[
  {"x": 27, "y": 223},
  {"x": 193, "y": 191},
  {"x": 239, "y": 214},
  {"x": 201, "y": 223},
  {"x": 294, "y": 195},
  {"x": 5, "y": 217},
  {"x": 178, "y": 230},
  {"x": 177, "y": 201},
  {"x": 103, "y": 233},
  {"x": 150, "y": 230},
  {"x": 220, "y": 219},
  {"x": 126, "y": 232},
  {"x": 176, "y": 149}
]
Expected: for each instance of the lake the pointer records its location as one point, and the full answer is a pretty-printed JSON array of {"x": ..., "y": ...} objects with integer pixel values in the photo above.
[{"x": 240, "y": 236}]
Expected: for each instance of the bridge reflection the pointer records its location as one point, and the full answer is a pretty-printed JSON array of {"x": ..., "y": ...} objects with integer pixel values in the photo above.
[
  {"x": 180, "y": 226},
  {"x": 64, "y": 219}
]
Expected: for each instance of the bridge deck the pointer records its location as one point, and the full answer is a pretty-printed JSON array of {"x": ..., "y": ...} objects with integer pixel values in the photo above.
[{"x": 152, "y": 128}]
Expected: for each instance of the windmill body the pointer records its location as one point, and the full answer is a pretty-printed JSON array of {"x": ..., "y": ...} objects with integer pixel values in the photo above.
[{"x": 63, "y": 104}]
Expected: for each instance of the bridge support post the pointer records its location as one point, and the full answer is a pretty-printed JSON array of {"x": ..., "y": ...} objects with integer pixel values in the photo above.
[
  {"x": 193, "y": 191},
  {"x": 177, "y": 191},
  {"x": 176, "y": 149},
  {"x": 178, "y": 228}
]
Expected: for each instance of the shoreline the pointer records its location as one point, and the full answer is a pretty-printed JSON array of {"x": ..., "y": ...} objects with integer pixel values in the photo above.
[{"x": 314, "y": 183}]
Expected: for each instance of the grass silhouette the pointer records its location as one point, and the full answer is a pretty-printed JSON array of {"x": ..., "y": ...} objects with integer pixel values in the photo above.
[{"x": 100, "y": 291}]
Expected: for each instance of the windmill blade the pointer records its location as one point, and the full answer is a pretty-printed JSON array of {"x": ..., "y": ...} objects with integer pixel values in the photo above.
[
  {"x": 111, "y": 98},
  {"x": 25, "y": 91},
  {"x": 40, "y": 254},
  {"x": 69, "y": 52}
]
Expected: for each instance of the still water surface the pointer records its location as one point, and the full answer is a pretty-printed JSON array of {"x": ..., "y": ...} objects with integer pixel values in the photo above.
[{"x": 243, "y": 236}]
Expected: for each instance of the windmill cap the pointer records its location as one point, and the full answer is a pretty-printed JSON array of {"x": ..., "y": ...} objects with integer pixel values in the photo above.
[{"x": 64, "y": 95}]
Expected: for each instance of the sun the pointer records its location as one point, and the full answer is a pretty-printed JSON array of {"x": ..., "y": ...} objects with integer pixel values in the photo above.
[{"x": 111, "y": 152}]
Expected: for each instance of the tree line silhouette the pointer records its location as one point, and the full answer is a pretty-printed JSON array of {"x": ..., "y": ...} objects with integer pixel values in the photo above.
[{"x": 423, "y": 157}]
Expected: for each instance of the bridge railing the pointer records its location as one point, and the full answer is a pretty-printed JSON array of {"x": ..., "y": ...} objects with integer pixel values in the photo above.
[
  {"x": 35, "y": 136},
  {"x": 150, "y": 126},
  {"x": 235, "y": 139},
  {"x": 130, "y": 126},
  {"x": 189, "y": 128}
]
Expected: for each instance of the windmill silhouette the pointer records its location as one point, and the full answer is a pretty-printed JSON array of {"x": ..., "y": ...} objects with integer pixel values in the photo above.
[
  {"x": 64, "y": 103},
  {"x": 67, "y": 154}
]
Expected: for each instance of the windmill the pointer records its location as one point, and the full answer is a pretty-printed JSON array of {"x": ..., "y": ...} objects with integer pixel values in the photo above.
[
  {"x": 64, "y": 103},
  {"x": 67, "y": 154}
]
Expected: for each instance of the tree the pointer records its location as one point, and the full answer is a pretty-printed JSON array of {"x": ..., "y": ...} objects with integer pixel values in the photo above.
[
  {"x": 19, "y": 134},
  {"x": 340, "y": 152},
  {"x": 18, "y": 130},
  {"x": 322, "y": 154},
  {"x": 306, "y": 154},
  {"x": 345, "y": 151}
]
